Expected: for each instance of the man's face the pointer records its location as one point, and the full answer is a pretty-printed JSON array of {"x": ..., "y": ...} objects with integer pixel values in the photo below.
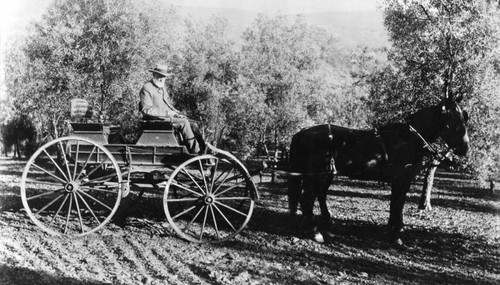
[{"x": 159, "y": 80}]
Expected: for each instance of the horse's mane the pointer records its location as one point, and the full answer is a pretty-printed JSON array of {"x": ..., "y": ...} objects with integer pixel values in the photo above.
[{"x": 404, "y": 126}]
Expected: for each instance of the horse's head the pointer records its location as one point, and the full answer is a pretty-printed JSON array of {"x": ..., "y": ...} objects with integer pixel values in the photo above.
[{"x": 454, "y": 121}]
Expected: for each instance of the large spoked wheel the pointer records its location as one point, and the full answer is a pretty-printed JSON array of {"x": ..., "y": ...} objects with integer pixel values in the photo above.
[
  {"x": 209, "y": 198},
  {"x": 71, "y": 186}
]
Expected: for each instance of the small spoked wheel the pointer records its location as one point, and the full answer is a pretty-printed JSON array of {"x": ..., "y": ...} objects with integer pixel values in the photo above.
[
  {"x": 71, "y": 186},
  {"x": 209, "y": 198}
]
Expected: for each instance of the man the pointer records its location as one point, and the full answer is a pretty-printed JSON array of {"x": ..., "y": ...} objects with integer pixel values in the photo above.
[{"x": 156, "y": 104}]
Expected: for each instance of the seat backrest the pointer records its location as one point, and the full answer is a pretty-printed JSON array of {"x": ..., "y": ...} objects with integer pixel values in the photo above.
[
  {"x": 80, "y": 108},
  {"x": 156, "y": 125},
  {"x": 157, "y": 133}
]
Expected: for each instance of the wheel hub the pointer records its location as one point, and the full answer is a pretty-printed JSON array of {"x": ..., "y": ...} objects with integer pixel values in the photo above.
[
  {"x": 71, "y": 187},
  {"x": 209, "y": 199}
]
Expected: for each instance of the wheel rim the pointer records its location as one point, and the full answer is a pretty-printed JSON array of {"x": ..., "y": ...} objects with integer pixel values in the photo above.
[
  {"x": 71, "y": 186},
  {"x": 209, "y": 199}
]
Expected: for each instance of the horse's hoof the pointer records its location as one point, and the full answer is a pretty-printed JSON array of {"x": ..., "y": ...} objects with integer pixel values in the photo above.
[
  {"x": 398, "y": 243},
  {"x": 318, "y": 237}
]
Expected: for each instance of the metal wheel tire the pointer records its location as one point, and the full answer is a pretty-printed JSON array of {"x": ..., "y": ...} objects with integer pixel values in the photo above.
[
  {"x": 71, "y": 186},
  {"x": 209, "y": 198}
]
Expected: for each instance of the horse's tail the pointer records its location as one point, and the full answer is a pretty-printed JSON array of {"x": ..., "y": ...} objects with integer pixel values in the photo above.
[{"x": 294, "y": 181}]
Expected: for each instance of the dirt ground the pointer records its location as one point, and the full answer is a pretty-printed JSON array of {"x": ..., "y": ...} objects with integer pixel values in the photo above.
[{"x": 455, "y": 243}]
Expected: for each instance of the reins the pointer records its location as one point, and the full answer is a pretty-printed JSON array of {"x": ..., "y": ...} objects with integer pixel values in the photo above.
[{"x": 428, "y": 146}]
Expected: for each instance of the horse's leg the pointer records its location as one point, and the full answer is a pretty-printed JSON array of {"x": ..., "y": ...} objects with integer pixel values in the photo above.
[
  {"x": 325, "y": 214},
  {"x": 398, "y": 196},
  {"x": 307, "y": 204},
  {"x": 294, "y": 191}
]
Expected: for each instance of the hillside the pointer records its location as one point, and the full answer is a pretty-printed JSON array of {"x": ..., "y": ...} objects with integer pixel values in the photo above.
[{"x": 352, "y": 28}]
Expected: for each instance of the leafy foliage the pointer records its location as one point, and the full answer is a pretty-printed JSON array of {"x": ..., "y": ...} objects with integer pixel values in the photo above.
[
  {"x": 441, "y": 49},
  {"x": 285, "y": 74},
  {"x": 84, "y": 49},
  {"x": 20, "y": 133}
]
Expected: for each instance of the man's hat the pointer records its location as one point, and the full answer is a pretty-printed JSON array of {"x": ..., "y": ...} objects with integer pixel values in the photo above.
[{"x": 161, "y": 69}]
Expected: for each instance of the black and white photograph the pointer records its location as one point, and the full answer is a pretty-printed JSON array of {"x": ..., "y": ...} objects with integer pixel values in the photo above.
[{"x": 238, "y": 142}]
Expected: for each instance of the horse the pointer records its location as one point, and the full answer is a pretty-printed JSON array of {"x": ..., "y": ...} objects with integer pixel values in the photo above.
[{"x": 392, "y": 153}]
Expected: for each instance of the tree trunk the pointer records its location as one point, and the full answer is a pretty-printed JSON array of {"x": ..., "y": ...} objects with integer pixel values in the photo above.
[
  {"x": 425, "y": 198},
  {"x": 17, "y": 152},
  {"x": 54, "y": 126}
]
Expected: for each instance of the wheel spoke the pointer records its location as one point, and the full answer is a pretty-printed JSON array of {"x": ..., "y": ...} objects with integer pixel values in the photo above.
[
  {"x": 65, "y": 160},
  {"x": 44, "y": 194},
  {"x": 187, "y": 189},
  {"x": 97, "y": 167},
  {"x": 202, "y": 172},
  {"x": 225, "y": 190},
  {"x": 101, "y": 179},
  {"x": 91, "y": 197},
  {"x": 76, "y": 158},
  {"x": 43, "y": 182},
  {"x": 223, "y": 181},
  {"x": 69, "y": 213},
  {"x": 234, "y": 198},
  {"x": 186, "y": 228},
  {"x": 215, "y": 222},
  {"x": 51, "y": 174},
  {"x": 230, "y": 208},
  {"x": 59, "y": 210},
  {"x": 209, "y": 208},
  {"x": 96, "y": 188},
  {"x": 192, "y": 179},
  {"x": 48, "y": 205},
  {"x": 184, "y": 212},
  {"x": 75, "y": 194},
  {"x": 213, "y": 175},
  {"x": 78, "y": 211},
  {"x": 88, "y": 207},
  {"x": 204, "y": 223},
  {"x": 55, "y": 163},
  {"x": 224, "y": 217},
  {"x": 86, "y": 162},
  {"x": 184, "y": 200},
  {"x": 225, "y": 172}
]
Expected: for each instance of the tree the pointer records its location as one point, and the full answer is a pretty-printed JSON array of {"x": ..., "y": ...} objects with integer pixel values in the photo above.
[
  {"x": 441, "y": 48},
  {"x": 205, "y": 73},
  {"x": 20, "y": 133},
  {"x": 283, "y": 59},
  {"x": 87, "y": 49}
]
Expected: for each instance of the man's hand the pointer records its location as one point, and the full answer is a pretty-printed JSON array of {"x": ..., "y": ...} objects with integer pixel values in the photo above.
[{"x": 179, "y": 116}]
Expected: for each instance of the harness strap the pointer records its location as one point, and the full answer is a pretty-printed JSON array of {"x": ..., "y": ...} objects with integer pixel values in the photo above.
[
  {"x": 427, "y": 146},
  {"x": 379, "y": 137},
  {"x": 332, "y": 169}
]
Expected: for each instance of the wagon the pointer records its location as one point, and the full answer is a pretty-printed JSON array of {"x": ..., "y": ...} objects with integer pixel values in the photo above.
[{"x": 73, "y": 185}]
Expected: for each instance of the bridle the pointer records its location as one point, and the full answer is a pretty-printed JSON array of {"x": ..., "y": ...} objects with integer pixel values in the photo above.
[{"x": 426, "y": 145}]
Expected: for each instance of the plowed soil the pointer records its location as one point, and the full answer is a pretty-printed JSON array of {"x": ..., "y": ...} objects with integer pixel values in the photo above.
[{"x": 457, "y": 242}]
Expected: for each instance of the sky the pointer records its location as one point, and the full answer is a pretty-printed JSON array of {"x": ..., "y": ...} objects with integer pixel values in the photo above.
[{"x": 283, "y": 6}]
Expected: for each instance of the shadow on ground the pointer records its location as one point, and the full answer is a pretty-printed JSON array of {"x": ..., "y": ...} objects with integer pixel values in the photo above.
[{"x": 19, "y": 275}]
